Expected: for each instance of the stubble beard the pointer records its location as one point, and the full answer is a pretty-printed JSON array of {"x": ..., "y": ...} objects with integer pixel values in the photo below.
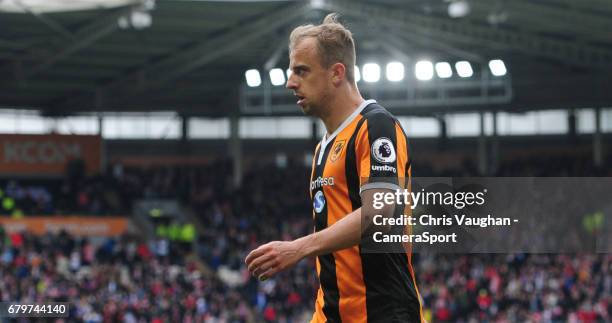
[
  {"x": 312, "y": 110},
  {"x": 317, "y": 110},
  {"x": 307, "y": 110}
]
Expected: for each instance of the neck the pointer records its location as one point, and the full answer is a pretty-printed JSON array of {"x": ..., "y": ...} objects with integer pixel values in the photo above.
[{"x": 340, "y": 107}]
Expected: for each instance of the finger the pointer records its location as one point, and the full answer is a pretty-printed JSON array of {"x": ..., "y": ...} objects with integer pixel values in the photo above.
[
  {"x": 254, "y": 254},
  {"x": 258, "y": 262},
  {"x": 267, "y": 274},
  {"x": 272, "y": 264},
  {"x": 263, "y": 267}
]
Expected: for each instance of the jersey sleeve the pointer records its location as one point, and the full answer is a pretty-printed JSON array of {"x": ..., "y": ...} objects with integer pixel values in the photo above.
[{"x": 376, "y": 150}]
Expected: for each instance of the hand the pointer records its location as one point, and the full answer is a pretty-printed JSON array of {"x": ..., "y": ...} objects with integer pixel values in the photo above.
[{"x": 273, "y": 257}]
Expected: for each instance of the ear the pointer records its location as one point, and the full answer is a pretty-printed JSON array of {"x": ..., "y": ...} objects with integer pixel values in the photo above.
[{"x": 338, "y": 73}]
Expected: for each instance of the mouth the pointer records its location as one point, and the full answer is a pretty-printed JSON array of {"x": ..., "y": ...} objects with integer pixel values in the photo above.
[{"x": 300, "y": 99}]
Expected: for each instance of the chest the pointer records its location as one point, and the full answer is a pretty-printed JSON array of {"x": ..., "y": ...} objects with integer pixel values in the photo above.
[{"x": 329, "y": 167}]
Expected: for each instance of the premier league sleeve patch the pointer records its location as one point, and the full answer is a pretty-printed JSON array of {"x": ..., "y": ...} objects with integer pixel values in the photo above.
[{"x": 383, "y": 151}]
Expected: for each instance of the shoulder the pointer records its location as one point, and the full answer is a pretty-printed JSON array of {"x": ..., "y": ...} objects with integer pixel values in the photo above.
[{"x": 377, "y": 117}]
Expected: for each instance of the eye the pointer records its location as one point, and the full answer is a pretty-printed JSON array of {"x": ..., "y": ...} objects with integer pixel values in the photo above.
[{"x": 299, "y": 71}]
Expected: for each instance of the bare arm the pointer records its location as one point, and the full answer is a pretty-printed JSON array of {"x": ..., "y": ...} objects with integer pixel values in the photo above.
[{"x": 273, "y": 257}]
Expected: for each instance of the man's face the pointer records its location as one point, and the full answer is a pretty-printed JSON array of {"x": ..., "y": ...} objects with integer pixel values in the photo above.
[{"x": 310, "y": 82}]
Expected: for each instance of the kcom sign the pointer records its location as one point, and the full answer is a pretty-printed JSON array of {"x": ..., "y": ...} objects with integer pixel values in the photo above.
[{"x": 47, "y": 154}]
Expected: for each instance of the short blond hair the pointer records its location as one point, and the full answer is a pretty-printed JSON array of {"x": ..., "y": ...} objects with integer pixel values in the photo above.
[{"x": 335, "y": 43}]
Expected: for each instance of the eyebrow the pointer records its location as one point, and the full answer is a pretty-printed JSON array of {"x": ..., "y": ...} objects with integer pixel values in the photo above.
[{"x": 300, "y": 67}]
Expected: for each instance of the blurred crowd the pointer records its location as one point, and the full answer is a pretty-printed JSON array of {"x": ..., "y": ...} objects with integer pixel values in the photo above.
[
  {"x": 469, "y": 288},
  {"x": 112, "y": 192},
  {"x": 516, "y": 287},
  {"x": 156, "y": 281},
  {"x": 115, "y": 280}
]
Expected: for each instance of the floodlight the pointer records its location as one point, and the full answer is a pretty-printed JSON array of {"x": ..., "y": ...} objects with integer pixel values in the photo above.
[
  {"x": 253, "y": 78},
  {"x": 497, "y": 67},
  {"x": 395, "y": 71},
  {"x": 444, "y": 70},
  {"x": 371, "y": 72},
  {"x": 277, "y": 77},
  {"x": 464, "y": 69},
  {"x": 423, "y": 70}
]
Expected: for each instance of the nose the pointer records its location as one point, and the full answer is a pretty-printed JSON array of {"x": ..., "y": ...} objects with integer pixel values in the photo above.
[{"x": 291, "y": 83}]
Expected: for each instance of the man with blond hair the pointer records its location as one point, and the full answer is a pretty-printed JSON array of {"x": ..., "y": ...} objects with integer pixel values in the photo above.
[{"x": 364, "y": 151}]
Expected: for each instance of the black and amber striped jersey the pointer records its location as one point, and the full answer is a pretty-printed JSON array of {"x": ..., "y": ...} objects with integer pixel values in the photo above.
[{"x": 369, "y": 150}]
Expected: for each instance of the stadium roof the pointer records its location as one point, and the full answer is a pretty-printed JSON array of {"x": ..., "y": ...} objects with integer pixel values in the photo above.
[{"x": 190, "y": 56}]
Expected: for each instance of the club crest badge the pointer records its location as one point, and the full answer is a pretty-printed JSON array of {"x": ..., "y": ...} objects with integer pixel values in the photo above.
[{"x": 337, "y": 150}]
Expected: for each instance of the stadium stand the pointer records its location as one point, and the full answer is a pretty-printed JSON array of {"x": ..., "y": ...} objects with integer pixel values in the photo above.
[{"x": 133, "y": 280}]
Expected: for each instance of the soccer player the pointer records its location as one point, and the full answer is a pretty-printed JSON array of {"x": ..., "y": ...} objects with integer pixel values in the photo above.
[{"x": 364, "y": 151}]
